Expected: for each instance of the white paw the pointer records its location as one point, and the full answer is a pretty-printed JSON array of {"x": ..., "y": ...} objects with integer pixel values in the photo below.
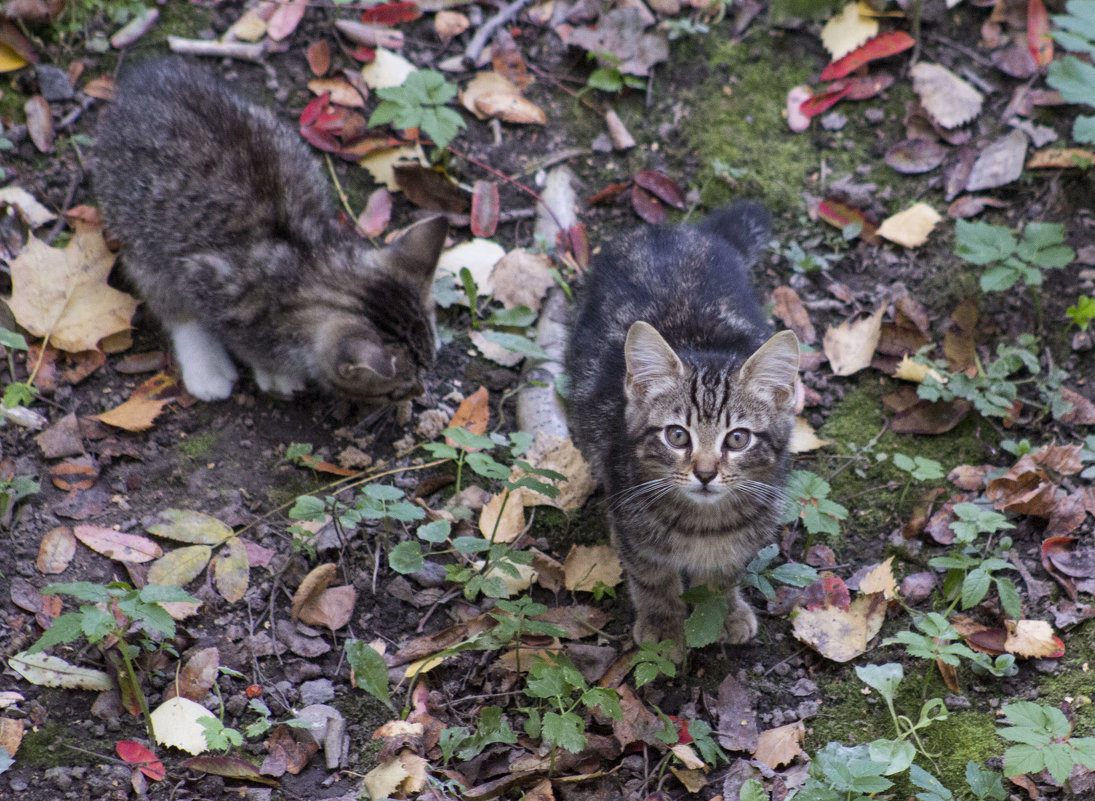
[
  {"x": 278, "y": 384},
  {"x": 207, "y": 369}
]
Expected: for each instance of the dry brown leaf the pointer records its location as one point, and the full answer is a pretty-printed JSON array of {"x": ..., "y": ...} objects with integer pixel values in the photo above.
[
  {"x": 473, "y": 413},
  {"x": 341, "y": 91},
  {"x": 586, "y": 565},
  {"x": 134, "y": 414},
  {"x": 1082, "y": 412},
  {"x": 693, "y": 780},
  {"x": 56, "y": 550},
  {"x": 848, "y": 30},
  {"x": 198, "y": 675},
  {"x": 33, "y": 213},
  {"x": 851, "y": 345},
  {"x": 332, "y": 608},
  {"x": 63, "y": 294},
  {"x": 11, "y": 734},
  {"x": 790, "y": 311},
  {"x": 841, "y": 634},
  {"x": 1031, "y": 638},
  {"x": 946, "y": 97},
  {"x": 1000, "y": 163},
  {"x": 1061, "y": 157},
  {"x": 503, "y": 518},
  {"x": 120, "y": 545},
  {"x": 489, "y": 94},
  {"x": 781, "y": 745},
  {"x": 313, "y": 585},
  {"x": 449, "y": 24},
  {"x": 381, "y": 163},
  {"x": 910, "y": 228},
  {"x": 522, "y": 278},
  {"x": 561, "y": 455},
  {"x": 880, "y": 579},
  {"x": 40, "y": 123}
]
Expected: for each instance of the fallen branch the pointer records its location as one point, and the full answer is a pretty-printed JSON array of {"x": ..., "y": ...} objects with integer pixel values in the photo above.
[
  {"x": 203, "y": 47},
  {"x": 487, "y": 29}
]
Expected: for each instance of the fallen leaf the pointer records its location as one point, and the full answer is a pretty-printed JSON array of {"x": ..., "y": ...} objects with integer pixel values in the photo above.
[
  {"x": 947, "y": 98},
  {"x": 1082, "y": 412},
  {"x": 969, "y": 477},
  {"x": 228, "y": 767},
  {"x": 119, "y": 545},
  {"x": 134, "y": 414},
  {"x": 198, "y": 674},
  {"x": 285, "y": 754},
  {"x": 502, "y": 519},
  {"x": 450, "y": 24},
  {"x": 312, "y": 585},
  {"x": 1039, "y": 41},
  {"x": 473, "y": 413},
  {"x": 319, "y": 57},
  {"x": 560, "y": 454},
  {"x": 780, "y": 746},
  {"x": 1061, "y": 158},
  {"x": 480, "y": 257},
  {"x": 287, "y": 15},
  {"x": 880, "y": 579},
  {"x": 52, "y": 671},
  {"x": 842, "y": 215},
  {"x": 34, "y": 214},
  {"x": 850, "y": 346},
  {"x": 638, "y": 724},
  {"x": 883, "y": 45},
  {"x": 64, "y": 295},
  {"x": 430, "y": 189},
  {"x": 184, "y": 525},
  {"x": 338, "y": 91},
  {"x": 495, "y": 352},
  {"x": 404, "y": 774},
  {"x": 789, "y": 310},
  {"x": 377, "y": 214},
  {"x": 175, "y": 724},
  {"x": 180, "y": 566},
  {"x": 619, "y": 34},
  {"x": 136, "y": 754},
  {"x": 851, "y": 28},
  {"x": 647, "y": 206},
  {"x": 959, "y": 345},
  {"x": 737, "y": 716},
  {"x": 693, "y": 780},
  {"x": 40, "y": 123},
  {"x": 231, "y": 570},
  {"x": 61, "y": 439},
  {"x": 1033, "y": 639},
  {"x": 972, "y": 205},
  {"x": 804, "y": 439},
  {"x": 823, "y": 101},
  {"x": 381, "y": 163},
  {"x": 910, "y": 228},
  {"x": 913, "y": 156},
  {"x": 1000, "y": 163},
  {"x": 484, "y": 209},
  {"x": 841, "y": 634},
  {"x": 490, "y": 94},
  {"x": 386, "y": 70},
  {"x": 522, "y": 278},
  {"x": 56, "y": 550},
  {"x": 661, "y": 186},
  {"x": 588, "y": 565}
]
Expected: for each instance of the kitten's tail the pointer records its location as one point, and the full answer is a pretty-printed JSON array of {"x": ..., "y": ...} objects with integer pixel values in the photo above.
[{"x": 746, "y": 225}]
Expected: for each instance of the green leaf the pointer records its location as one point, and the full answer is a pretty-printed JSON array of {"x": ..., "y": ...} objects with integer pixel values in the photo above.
[
  {"x": 18, "y": 394},
  {"x": 465, "y": 439},
  {"x": 704, "y": 625},
  {"x": 370, "y": 670},
  {"x": 487, "y": 466},
  {"x": 440, "y": 450},
  {"x": 517, "y": 343},
  {"x": 1074, "y": 79},
  {"x": 925, "y": 781},
  {"x": 406, "y": 557},
  {"x": 752, "y": 790},
  {"x": 564, "y": 730},
  {"x": 701, "y": 731},
  {"x": 897, "y": 755},
  {"x": 999, "y": 278},
  {"x": 1009, "y": 597},
  {"x": 436, "y": 531},
  {"x": 795, "y": 574},
  {"x": 161, "y": 593},
  {"x": 520, "y": 317},
  {"x": 469, "y": 545},
  {"x": 984, "y": 783},
  {"x": 66, "y": 628},
  {"x": 975, "y": 587},
  {"x": 1083, "y": 131},
  {"x": 12, "y": 340},
  {"x": 982, "y": 243},
  {"x": 884, "y": 679},
  {"x": 308, "y": 507},
  {"x": 607, "y": 79},
  {"x": 1059, "y": 762},
  {"x": 605, "y": 699}
]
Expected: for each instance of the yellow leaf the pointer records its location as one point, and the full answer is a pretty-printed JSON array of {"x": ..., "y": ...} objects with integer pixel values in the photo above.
[
  {"x": 586, "y": 565},
  {"x": 847, "y": 31},
  {"x": 9, "y": 59},
  {"x": 135, "y": 414},
  {"x": 386, "y": 70},
  {"x": 880, "y": 579},
  {"x": 490, "y": 94},
  {"x": 909, "y": 370},
  {"x": 175, "y": 723},
  {"x": 851, "y": 345},
  {"x": 179, "y": 567},
  {"x": 503, "y": 517},
  {"x": 381, "y": 163},
  {"x": 841, "y": 634},
  {"x": 183, "y": 525},
  {"x": 63, "y": 294},
  {"x": 231, "y": 570},
  {"x": 804, "y": 438},
  {"x": 779, "y": 746},
  {"x": 1031, "y": 638},
  {"x": 910, "y": 227}
]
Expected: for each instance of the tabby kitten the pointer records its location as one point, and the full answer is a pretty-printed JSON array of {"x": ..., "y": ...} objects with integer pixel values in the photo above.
[
  {"x": 683, "y": 405},
  {"x": 229, "y": 233}
]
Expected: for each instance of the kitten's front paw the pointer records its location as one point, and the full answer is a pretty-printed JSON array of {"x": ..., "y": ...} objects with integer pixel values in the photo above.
[
  {"x": 210, "y": 381},
  {"x": 278, "y": 384},
  {"x": 741, "y": 623},
  {"x": 656, "y": 631}
]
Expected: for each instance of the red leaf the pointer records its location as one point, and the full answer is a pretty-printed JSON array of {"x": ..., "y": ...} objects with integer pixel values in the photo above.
[
  {"x": 1038, "y": 40},
  {"x": 136, "y": 754},
  {"x": 610, "y": 192},
  {"x": 321, "y": 139},
  {"x": 829, "y": 590},
  {"x": 366, "y": 55},
  {"x": 647, "y": 206},
  {"x": 881, "y": 46},
  {"x": 314, "y": 109},
  {"x": 579, "y": 244},
  {"x": 868, "y": 86},
  {"x": 319, "y": 57},
  {"x": 824, "y": 101},
  {"x": 228, "y": 767},
  {"x": 661, "y": 186},
  {"x": 484, "y": 208},
  {"x": 391, "y": 14},
  {"x": 842, "y": 215}
]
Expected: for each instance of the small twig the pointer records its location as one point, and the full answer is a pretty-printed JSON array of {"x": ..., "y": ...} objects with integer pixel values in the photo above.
[
  {"x": 341, "y": 194},
  {"x": 69, "y": 195},
  {"x": 487, "y": 29},
  {"x": 201, "y": 47},
  {"x": 503, "y": 177},
  {"x": 72, "y": 116}
]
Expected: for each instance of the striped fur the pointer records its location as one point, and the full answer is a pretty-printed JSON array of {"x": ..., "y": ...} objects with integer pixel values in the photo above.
[
  {"x": 683, "y": 405},
  {"x": 230, "y": 235}
]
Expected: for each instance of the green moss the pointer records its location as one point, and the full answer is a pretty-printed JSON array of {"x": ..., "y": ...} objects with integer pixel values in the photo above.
[
  {"x": 368, "y": 714},
  {"x": 1072, "y": 682},
  {"x": 44, "y": 746},
  {"x": 288, "y": 493},
  {"x": 198, "y": 446}
]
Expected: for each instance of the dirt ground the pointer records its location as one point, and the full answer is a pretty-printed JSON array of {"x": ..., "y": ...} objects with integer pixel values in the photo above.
[{"x": 228, "y": 459}]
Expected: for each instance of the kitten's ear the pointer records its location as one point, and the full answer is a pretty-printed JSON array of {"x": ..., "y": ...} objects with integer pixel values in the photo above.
[
  {"x": 774, "y": 367},
  {"x": 355, "y": 355},
  {"x": 650, "y": 360},
  {"x": 416, "y": 252}
]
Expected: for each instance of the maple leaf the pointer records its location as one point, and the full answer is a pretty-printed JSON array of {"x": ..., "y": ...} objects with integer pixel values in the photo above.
[{"x": 62, "y": 294}]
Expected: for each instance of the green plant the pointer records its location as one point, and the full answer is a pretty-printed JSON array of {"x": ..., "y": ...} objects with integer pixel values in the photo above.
[
  {"x": 680, "y": 28},
  {"x": 1087, "y": 457},
  {"x": 370, "y": 672},
  {"x": 117, "y": 611},
  {"x": 937, "y": 641},
  {"x": 1082, "y": 313},
  {"x": 760, "y": 574},
  {"x": 1010, "y": 260},
  {"x": 609, "y": 78},
  {"x": 1043, "y": 741},
  {"x": 12, "y": 491},
  {"x": 803, "y": 262},
  {"x": 808, "y": 500},
  {"x": 17, "y": 393},
  {"x": 464, "y": 744},
  {"x": 554, "y": 680},
  {"x": 653, "y": 659},
  {"x": 1072, "y": 77},
  {"x": 515, "y": 620},
  {"x": 218, "y": 736},
  {"x": 419, "y": 102},
  {"x": 265, "y": 721}
]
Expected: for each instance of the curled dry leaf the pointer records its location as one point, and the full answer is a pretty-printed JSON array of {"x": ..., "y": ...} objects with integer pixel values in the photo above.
[
  {"x": 780, "y": 746},
  {"x": 449, "y": 24},
  {"x": 522, "y": 278},
  {"x": 198, "y": 674},
  {"x": 34, "y": 214},
  {"x": 647, "y": 205},
  {"x": 473, "y": 413},
  {"x": 789, "y": 310},
  {"x": 490, "y": 94},
  {"x": 1061, "y": 158},
  {"x": 1000, "y": 163},
  {"x": 1033, "y": 639},
  {"x": 332, "y": 608},
  {"x": 56, "y": 550},
  {"x": 484, "y": 209},
  {"x": 317, "y": 580},
  {"x": 804, "y": 439},
  {"x": 588, "y": 565},
  {"x": 338, "y": 91},
  {"x": 910, "y": 228},
  {"x": 947, "y": 98},
  {"x": 851, "y": 345},
  {"x": 914, "y": 156}
]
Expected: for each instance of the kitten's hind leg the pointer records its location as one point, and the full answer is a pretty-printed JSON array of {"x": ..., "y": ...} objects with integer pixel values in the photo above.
[
  {"x": 207, "y": 369},
  {"x": 279, "y": 385}
]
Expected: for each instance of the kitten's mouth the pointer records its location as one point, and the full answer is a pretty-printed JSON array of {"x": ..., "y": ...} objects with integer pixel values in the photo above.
[{"x": 704, "y": 494}]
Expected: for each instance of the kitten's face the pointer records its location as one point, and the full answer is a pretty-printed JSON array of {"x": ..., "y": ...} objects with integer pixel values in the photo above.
[{"x": 708, "y": 436}]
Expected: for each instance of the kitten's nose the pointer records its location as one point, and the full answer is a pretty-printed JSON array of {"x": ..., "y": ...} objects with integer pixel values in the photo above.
[{"x": 705, "y": 475}]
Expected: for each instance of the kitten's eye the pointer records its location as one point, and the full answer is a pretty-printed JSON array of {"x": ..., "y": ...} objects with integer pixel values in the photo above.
[
  {"x": 677, "y": 437},
  {"x": 738, "y": 439}
]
